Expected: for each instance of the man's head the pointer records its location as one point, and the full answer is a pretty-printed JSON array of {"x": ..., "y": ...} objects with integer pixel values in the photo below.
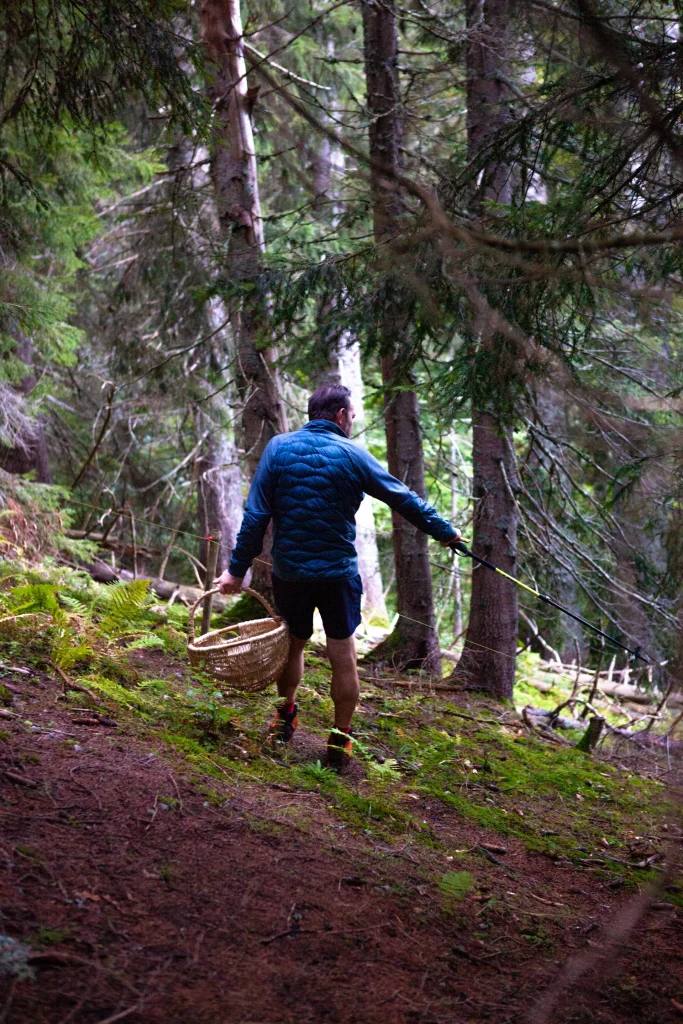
[{"x": 332, "y": 402}]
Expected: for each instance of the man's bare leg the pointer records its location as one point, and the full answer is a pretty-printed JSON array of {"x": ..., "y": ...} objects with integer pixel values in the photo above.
[
  {"x": 293, "y": 672},
  {"x": 345, "y": 684}
]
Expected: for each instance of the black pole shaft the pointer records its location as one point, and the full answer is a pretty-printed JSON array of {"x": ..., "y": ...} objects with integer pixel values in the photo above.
[{"x": 635, "y": 653}]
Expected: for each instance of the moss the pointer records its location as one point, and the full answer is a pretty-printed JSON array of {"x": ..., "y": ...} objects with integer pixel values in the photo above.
[
  {"x": 6, "y": 699},
  {"x": 117, "y": 669},
  {"x": 44, "y": 937},
  {"x": 247, "y": 607}
]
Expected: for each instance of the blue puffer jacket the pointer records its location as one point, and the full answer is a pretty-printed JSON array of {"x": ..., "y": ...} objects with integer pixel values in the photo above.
[{"x": 310, "y": 483}]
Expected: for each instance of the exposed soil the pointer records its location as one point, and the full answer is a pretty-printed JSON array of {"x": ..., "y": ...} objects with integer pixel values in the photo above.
[{"x": 152, "y": 895}]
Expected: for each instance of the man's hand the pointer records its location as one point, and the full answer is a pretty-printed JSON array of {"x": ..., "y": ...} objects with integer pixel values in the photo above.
[
  {"x": 229, "y": 584},
  {"x": 451, "y": 541}
]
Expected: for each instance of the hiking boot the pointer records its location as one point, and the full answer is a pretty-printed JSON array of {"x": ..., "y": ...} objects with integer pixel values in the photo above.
[
  {"x": 283, "y": 726},
  {"x": 338, "y": 756}
]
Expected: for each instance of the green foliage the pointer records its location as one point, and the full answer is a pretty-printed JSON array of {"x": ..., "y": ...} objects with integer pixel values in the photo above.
[
  {"x": 456, "y": 885},
  {"x": 316, "y": 774},
  {"x": 124, "y": 606},
  {"x": 146, "y": 642},
  {"x": 66, "y": 652},
  {"x": 388, "y": 769}
]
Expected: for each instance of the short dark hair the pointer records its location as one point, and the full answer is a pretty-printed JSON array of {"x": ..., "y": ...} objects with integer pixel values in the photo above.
[{"x": 327, "y": 400}]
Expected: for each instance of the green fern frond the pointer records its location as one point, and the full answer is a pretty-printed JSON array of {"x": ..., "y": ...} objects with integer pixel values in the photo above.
[
  {"x": 125, "y": 605},
  {"x": 147, "y": 641},
  {"x": 34, "y": 597},
  {"x": 74, "y": 605},
  {"x": 388, "y": 770},
  {"x": 66, "y": 653}
]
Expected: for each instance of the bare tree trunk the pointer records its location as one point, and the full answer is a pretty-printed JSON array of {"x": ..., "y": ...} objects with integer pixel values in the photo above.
[
  {"x": 219, "y": 476},
  {"x": 488, "y": 659},
  {"x": 218, "y": 473},
  {"x": 219, "y": 496},
  {"x": 239, "y": 214},
  {"x": 346, "y": 369},
  {"x": 414, "y": 641}
]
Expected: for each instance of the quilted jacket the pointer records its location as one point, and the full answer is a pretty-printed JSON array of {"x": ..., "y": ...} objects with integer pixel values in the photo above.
[{"x": 310, "y": 483}]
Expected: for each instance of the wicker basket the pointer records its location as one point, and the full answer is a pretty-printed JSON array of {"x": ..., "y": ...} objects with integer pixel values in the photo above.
[{"x": 252, "y": 660}]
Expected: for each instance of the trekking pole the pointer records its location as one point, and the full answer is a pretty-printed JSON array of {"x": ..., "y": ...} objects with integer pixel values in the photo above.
[{"x": 460, "y": 546}]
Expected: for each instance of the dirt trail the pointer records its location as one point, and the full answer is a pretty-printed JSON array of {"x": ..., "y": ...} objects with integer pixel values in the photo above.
[{"x": 150, "y": 895}]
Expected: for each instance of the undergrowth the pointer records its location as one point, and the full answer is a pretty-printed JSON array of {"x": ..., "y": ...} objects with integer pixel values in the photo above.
[{"x": 115, "y": 648}]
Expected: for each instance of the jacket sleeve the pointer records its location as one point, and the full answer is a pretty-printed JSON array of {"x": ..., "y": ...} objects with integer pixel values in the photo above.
[
  {"x": 257, "y": 514},
  {"x": 387, "y": 488}
]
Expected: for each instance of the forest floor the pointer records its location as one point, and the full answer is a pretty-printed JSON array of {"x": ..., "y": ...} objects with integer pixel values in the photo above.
[{"x": 157, "y": 866}]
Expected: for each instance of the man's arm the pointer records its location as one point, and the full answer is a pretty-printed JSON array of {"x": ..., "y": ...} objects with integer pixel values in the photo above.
[
  {"x": 257, "y": 514},
  {"x": 387, "y": 488}
]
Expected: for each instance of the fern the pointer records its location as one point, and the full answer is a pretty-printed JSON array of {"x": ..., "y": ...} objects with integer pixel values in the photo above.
[
  {"x": 67, "y": 651},
  {"x": 74, "y": 605},
  {"x": 125, "y": 605},
  {"x": 388, "y": 770},
  {"x": 144, "y": 642},
  {"x": 35, "y": 597}
]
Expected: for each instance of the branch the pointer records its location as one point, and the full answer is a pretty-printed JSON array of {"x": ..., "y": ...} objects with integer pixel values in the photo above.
[
  {"x": 265, "y": 59},
  {"x": 98, "y": 442}
]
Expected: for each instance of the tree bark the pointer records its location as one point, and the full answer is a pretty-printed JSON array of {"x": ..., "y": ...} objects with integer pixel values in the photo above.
[
  {"x": 219, "y": 477},
  {"x": 493, "y": 607},
  {"x": 488, "y": 659},
  {"x": 239, "y": 214},
  {"x": 218, "y": 473},
  {"x": 31, "y": 453},
  {"x": 346, "y": 369},
  {"x": 414, "y": 641}
]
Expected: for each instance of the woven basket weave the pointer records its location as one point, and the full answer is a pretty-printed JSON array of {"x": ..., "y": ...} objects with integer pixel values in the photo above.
[{"x": 252, "y": 660}]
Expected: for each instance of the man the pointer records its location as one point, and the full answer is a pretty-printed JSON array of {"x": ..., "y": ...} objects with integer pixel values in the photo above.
[{"x": 310, "y": 483}]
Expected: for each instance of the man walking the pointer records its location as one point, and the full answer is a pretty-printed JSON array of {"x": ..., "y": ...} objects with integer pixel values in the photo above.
[{"x": 310, "y": 483}]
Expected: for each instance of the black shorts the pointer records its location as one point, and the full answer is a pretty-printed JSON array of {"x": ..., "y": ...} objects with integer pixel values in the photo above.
[{"x": 338, "y": 603}]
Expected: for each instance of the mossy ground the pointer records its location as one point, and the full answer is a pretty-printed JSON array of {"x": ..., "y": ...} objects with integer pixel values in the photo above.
[
  {"x": 474, "y": 757},
  {"x": 478, "y": 830}
]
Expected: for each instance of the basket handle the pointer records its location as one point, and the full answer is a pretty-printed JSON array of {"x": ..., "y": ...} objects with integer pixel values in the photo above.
[{"x": 216, "y": 590}]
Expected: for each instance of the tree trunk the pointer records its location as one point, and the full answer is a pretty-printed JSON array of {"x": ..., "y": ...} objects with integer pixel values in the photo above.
[
  {"x": 239, "y": 214},
  {"x": 346, "y": 369},
  {"x": 30, "y": 450},
  {"x": 218, "y": 472},
  {"x": 488, "y": 659},
  {"x": 414, "y": 642},
  {"x": 493, "y": 608},
  {"x": 219, "y": 477}
]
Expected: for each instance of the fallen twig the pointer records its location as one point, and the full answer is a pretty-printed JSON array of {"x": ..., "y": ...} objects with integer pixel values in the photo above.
[{"x": 20, "y": 779}]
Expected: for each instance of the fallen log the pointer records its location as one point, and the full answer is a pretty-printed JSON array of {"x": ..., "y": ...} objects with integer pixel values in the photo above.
[
  {"x": 165, "y": 589},
  {"x": 112, "y": 543}
]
